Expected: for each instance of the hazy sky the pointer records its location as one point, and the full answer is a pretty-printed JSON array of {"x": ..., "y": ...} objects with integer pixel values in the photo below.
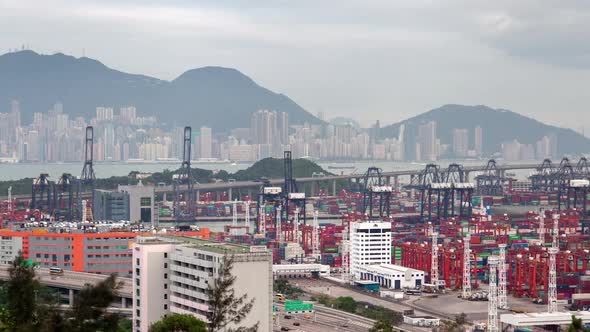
[{"x": 367, "y": 59}]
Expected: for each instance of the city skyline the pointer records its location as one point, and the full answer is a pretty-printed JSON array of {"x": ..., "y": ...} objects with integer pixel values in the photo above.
[{"x": 122, "y": 135}]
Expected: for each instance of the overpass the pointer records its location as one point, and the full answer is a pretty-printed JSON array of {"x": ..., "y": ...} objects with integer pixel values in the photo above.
[
  {"x": 388, "y": 175},
  {"x": 314, "y": 180},
  {"x": 72, "y": 282}
]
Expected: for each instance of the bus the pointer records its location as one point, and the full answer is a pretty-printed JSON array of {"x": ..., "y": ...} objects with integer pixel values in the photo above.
[{"x": 56, "y": 270}]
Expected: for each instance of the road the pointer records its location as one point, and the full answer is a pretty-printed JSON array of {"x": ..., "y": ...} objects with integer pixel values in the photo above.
[
  {"x": 73, "y": 280},
  {"x": 253, "y": 184},
  {"x": 334, "y": 290},
  {"x": 325, "y": 319}
]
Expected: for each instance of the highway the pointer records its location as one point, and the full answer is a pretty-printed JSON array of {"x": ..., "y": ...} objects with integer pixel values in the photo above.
[
  {"x": 251, "y": 184},
  {"x": 325, "y": 320},
  {"x": 73, "y": 280},
  {"x": 221, "y": 186}
]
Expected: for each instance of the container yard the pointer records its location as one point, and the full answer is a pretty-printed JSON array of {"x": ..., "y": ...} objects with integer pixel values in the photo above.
[{"x": 478, "y": 237}]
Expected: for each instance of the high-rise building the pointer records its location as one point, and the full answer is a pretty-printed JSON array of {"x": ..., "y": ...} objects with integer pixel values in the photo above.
[
  {"x": 460, "y": 142},
  {"x": 128, "y": 114},
  {"x": 206, "y": 142},
  {"x": 427, "y": 142},
  {"x": 511, "y": 150},
  {"x": 263, "y": 127},
  {"x": 173, "y": 273},
  {"x": 104, "y": 114},
  {"x": 285, "y": 128},
  {"x": 370, "y": 244},
  {"x": 33, "y": 151},
  {"x": 478, "y": 140},
  {"x": 109, "y": 141},
  {"x": 546, "y": 147},
  {"x": 15, "y": 110}
]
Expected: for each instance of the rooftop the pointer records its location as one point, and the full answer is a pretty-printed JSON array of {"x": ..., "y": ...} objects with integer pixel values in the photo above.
[
  {"x": 389, "y": 268},
  {"x": 544, "y": 318},
  {"x": 211, "y": 246}
]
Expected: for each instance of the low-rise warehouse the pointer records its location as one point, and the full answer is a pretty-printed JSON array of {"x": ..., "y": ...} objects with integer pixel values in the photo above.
[
  {"x": 392, "y": 276},
  {"x": 300, "y": 270}
]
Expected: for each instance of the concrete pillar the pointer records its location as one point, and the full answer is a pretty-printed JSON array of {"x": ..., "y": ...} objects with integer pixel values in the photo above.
[
  {"x": 123, "y": 302},
  {"x": 198, "y": 195},
  {"x": 396, "y": 182},
  {"x": 250, "y": 193},
  {"x": 164, "y": 197},
  {"x": 333, "y": 187},
  {"x": 466, "y": 176},
  {"x": 230, "y": 194},
  {"x": 71, "y": 297},
  {"x": 388, "y": 180}
]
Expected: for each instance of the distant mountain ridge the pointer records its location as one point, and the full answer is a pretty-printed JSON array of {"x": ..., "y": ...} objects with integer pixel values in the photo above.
[
  {"x": 498, "y": 125},
  {"x": 221, "y": 98}
]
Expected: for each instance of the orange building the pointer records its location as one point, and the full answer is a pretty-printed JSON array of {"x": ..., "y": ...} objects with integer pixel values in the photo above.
[{"x": 102, "y": 253}]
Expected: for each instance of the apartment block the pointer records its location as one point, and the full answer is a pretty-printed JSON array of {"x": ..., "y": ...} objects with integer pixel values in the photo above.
[{"x": 172, "y": 274}]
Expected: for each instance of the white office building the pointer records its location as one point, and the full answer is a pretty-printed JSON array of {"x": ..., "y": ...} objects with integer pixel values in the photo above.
[
  {"x": 392, "y": 276},
  {"x": 171, "y": 275},
  {"x": 370, "y": 244}
]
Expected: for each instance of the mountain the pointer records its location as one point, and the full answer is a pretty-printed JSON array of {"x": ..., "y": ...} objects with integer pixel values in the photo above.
[
  {"x": 221, "y": 98},
  {"x": 498, "y": 126}
]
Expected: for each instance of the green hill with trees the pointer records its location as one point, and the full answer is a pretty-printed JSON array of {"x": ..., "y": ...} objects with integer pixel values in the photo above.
[{"x": 269, "y": 168}]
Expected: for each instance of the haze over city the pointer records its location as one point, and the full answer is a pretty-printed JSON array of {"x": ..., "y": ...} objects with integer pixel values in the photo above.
[{"x": 387, "y": 60}]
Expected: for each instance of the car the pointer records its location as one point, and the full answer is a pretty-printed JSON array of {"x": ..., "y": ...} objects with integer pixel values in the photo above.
[
  {"x": 296, "y": 323},
  {"x": 307, "y": 316},
  {"x": 288, "y": 317},
  {"x": 284, "y": 328}
]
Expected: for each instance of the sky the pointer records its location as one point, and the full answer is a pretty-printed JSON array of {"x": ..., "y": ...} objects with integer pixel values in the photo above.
[{"x": 364, "y": 59}]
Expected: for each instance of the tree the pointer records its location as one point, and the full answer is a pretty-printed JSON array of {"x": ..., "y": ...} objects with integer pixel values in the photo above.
[
  {"x": 21, "y": 296},
  {"x": 461, "y": 318},
  {"x": 449, "y": 326},
  {"x": 577, "y": 325},
  {"x": 345, "y": 303},
  {"x": 381, "y": 326},
  {"x": 283, "y": 286},
  {"x": 179, "y": 323},
  {"x": 227, "y": 308},
  {"x": 89, "y": 309}
]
